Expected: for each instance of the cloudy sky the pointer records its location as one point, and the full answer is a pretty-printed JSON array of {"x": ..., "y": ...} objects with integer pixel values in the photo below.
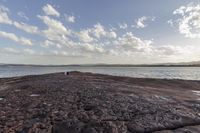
[{"x": 99, "y": 31}]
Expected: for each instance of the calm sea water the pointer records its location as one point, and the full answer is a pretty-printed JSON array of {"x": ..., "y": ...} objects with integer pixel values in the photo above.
[{"x": 190, "y": 73}]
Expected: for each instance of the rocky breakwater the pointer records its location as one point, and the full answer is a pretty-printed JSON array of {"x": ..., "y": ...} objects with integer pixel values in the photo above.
[{"x": 94, "y": 103}]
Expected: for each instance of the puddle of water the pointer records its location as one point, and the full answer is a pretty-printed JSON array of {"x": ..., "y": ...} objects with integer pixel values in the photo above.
[
  {"x": 196, "y": 92},
  {"x": 34, "y": 95},
  {"x": 161, "y": 97},
  {"x": 1, "y": 99}
]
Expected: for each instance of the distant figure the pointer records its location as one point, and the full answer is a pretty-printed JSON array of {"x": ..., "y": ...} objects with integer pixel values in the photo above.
[{"x": 66, "y": 73}]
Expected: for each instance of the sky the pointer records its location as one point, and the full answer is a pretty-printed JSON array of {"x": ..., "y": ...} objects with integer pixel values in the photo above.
[{"x": 63, "y": 32}]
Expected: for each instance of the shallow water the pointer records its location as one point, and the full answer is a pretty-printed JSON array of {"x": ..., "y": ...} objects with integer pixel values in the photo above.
[{"x": 190, "y": 73}]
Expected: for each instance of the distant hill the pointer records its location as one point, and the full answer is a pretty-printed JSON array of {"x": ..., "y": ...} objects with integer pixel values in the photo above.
[{"x": 193, "y": 63}]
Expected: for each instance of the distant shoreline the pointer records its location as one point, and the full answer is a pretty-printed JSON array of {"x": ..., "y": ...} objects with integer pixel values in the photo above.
[
  {"x": 106, "y": 65},
  {"x": 159, "y": 72}
]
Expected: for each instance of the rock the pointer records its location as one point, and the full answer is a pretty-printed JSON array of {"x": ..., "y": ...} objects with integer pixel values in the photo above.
[
  {"x": 89, "y": 107},
  {"x": 93, "y": 103},
  {"x": 88, "y": 130},
  {"x": 67, "y": 127}
]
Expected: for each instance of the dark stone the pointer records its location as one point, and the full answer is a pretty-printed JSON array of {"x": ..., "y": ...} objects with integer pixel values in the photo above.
[{"x": 89, "y": 107}]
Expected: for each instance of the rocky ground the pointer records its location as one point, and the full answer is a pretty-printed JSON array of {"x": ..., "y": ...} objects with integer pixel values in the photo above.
[{"x": 94, "y": 103}]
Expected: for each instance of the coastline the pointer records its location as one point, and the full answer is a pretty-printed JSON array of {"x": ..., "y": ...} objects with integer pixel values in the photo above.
[{"x": 92, "y": 103}]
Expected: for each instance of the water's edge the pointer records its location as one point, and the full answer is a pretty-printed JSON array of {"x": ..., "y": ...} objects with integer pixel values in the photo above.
[{"x": 186, "y": 73}]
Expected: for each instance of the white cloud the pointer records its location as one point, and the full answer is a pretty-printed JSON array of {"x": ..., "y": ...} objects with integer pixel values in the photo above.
[
  {"x": 3, "y": 8},
  {"x": 49, "y": 10},
  {"x": 4, "y": 15},
  {"x": 20, "y": 25},
  {"x": 56, "y": 32},
  {"x": 96, "y": 41},
  {"x": 130, "y": 45},
  {"x": 111, "y": 34},
  {"x": 46, "y": 44},
  {"x": 99, "y": 31},
  {"x": 22, "y": 15},
  {"x": 129, "y": 42},
  {"x": 123, "y": 26},
  {"x": 170, "y": 22},
  {"x": 70, "y": 19},
  {"x": 189, "y": 20},
  {"x": 174, "y": 53},
  {"x": 27, "y": 28},
  {"x": 141, "y": 22},
  {"x": 168, "y": 50},
  {"x": 84, "y": 36},
  {"x": 54, "y": 26},
  {"x": 93, "y": 34},
  {"x": 13, "y": 37},
  {"x": 91, "y": 48},
  {"x": 64, "y": 54}
]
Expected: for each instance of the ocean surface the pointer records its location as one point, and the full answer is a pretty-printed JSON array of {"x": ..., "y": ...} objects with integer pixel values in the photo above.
[{"x": 189, "y": 73}]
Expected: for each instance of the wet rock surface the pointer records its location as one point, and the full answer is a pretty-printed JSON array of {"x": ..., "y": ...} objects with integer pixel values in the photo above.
[{"x": 94, "y": 103}]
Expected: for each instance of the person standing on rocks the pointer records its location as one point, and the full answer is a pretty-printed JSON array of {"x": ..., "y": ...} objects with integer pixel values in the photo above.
[{"x": 66, "y": 73}]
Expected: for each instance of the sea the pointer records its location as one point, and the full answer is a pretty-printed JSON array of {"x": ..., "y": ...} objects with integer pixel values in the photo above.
[{"x": 188, "y": 73}]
